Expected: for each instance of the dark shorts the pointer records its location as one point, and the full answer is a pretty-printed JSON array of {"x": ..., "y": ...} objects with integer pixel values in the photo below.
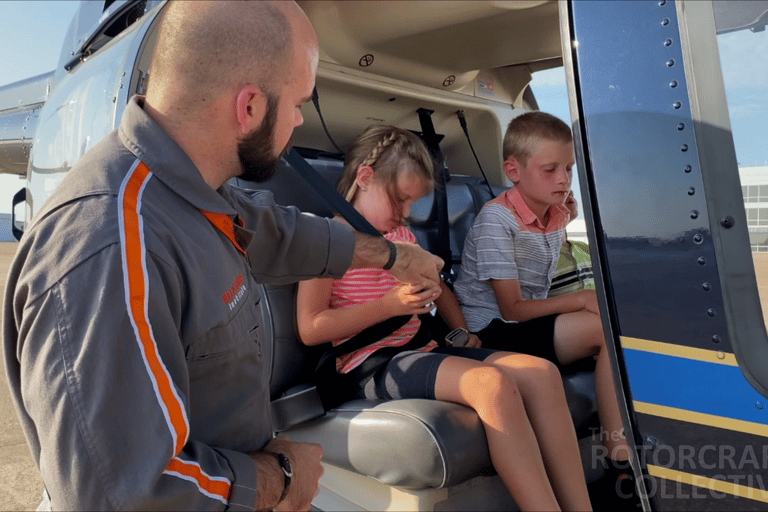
[
  {"x": 533, "y": 337},
  {"x": 413, "y": 374}
]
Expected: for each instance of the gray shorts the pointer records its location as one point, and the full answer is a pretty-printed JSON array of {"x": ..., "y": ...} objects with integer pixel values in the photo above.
[{"x": 412, "y": 374}]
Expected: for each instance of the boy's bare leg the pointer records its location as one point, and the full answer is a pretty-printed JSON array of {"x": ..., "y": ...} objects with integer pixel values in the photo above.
[
  {"x": 579, "y": 335},
  {"x": 494, "y": 395},
  {"x": 543, "y": 395}
]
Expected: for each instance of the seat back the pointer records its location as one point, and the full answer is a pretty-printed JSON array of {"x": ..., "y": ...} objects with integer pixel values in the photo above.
[{"x": 293, "y": 363}]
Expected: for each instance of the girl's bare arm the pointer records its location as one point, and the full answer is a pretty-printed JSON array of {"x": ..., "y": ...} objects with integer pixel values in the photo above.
[{"x": 318, "y": 323}]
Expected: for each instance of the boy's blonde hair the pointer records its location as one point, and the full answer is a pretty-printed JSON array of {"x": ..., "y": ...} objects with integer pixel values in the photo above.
[
  {"x": 526, "y": 131},
  {"x": 386, "y": 149}
]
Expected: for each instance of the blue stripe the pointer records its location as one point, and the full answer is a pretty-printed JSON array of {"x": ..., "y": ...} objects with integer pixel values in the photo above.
[{"x": 708, "y": 388}]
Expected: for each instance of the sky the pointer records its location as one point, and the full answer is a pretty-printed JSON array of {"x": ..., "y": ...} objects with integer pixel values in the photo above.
[
  {"x": 31, "y": 36},
  {"x": 32, "y": 32}
]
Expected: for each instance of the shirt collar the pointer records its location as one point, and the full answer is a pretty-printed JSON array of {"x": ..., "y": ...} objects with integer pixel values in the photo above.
[
  {"x": 513, "y": 201},
  {"x": 145, "y": 138}
]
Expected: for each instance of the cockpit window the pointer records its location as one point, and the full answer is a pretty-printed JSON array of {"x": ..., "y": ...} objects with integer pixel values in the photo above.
[{"x": 122, "y": 17}]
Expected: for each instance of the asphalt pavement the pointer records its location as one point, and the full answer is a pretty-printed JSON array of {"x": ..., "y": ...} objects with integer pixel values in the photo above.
[{"x": 20, "y": 485}]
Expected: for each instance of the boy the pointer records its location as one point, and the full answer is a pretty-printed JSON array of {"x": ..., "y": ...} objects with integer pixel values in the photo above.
[{"x": 510, "y": 255}]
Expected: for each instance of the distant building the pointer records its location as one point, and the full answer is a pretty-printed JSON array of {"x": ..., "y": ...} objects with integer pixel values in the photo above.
[
  {"x": 577, "y": 230},
  {"x": 6, "y": 235},
  {"x": 754, "y": 187}
]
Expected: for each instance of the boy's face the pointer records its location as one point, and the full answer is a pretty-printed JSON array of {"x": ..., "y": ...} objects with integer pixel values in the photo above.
[{"x": 546, "y": 179}]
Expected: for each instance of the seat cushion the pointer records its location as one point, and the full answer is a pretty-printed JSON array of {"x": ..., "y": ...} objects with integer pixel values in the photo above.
[
  {"x": 417, "y": 443},
  {"x": 407, "y": 443}
]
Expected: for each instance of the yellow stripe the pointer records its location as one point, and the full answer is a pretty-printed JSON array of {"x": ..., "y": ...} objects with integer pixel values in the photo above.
[
  {"x": 713, "y": 484},
  {"x": 709, "y": 420},
  {"x": 670, "y": 349}
]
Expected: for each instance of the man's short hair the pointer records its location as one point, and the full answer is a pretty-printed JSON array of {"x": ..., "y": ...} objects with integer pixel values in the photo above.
[
  {"x": 526, "y": 131},
  {"x": 211, "y": 47}
]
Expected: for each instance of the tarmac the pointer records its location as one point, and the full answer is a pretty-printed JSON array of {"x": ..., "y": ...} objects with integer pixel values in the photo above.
[{"x": 20, "y": 485}]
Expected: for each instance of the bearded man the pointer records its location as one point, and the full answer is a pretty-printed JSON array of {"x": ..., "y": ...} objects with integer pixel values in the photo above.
[{"x": 131, "y": 307}]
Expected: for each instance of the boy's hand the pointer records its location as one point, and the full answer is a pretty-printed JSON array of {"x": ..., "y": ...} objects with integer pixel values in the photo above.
[
  {"x": 408, "y": 299},
  {"x": 474, "y": 341},
  {"x": 588, "y": 299}
]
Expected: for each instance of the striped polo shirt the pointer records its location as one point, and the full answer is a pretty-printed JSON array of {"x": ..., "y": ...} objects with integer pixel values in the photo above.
[
  {"x": 362, "y": 285},
  {"x": 507, "y": 241}
]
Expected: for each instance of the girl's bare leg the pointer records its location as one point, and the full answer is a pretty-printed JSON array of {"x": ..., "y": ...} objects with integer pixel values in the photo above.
[
  {"x": 578, "y": 335},
  {"x": 493, "y": 394},
  {"x": 541, "y": 388}
]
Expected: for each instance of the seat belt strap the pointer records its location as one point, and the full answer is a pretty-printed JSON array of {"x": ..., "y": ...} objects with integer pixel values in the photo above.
[
  {"x": 329, "y": 193},
  {"x": 440, "y": 204},
  {"x": 366, "y": 337}
]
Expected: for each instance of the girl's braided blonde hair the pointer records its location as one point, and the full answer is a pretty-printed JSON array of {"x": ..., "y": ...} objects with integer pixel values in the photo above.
[{"x": 387, "y": 149}]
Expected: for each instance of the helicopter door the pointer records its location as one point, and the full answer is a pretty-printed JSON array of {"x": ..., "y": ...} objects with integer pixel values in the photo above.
[{"x": 660, "y": 182}]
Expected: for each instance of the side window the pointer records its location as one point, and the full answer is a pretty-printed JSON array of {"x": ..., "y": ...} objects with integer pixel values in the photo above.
[{"x": 743, "y": 45}]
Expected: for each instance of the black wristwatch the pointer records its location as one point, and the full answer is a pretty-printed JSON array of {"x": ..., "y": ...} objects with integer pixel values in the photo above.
[
  {"x": 457, "y": 338},
  {"x": 285, "y": 464}
]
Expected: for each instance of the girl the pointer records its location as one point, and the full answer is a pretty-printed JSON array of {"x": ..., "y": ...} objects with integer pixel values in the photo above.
[{"x": 519, "y": 398}]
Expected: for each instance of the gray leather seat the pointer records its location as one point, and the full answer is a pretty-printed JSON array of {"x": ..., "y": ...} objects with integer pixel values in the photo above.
[{"x": 415, "y": 444}]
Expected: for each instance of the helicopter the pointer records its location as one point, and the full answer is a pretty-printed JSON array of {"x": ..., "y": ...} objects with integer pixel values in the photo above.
[{"x": 670, "y": 238}]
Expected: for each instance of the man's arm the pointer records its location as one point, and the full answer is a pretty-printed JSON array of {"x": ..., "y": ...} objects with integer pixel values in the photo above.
[
  {"x": 107, "y": 409},
  {"x": 290, "y": 246},
  {"x": 413, "y": 265}
]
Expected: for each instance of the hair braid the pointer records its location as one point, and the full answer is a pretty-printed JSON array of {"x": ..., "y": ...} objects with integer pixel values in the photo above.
[
  {"x": 380, "y": 148},
  {"x": 386, "y": 149}
]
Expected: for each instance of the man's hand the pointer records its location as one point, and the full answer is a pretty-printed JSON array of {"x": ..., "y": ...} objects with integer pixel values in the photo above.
[
  {"x": 415, "y": 265},
  {"x": 305, "y": 463}
]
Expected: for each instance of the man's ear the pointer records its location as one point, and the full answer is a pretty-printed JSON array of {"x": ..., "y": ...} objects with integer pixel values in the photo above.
[
  {"x": 250, "y": 108},
  {"x": 512, "y": 169},
  {"x": 365, "y": 176}
]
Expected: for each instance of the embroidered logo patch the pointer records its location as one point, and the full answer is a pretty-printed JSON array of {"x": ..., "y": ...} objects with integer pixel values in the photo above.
[{"x": 235, "y": 292}]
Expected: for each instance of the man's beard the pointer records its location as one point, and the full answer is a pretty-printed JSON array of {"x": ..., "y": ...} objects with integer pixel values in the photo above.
[{"x": 256, "y": 153}]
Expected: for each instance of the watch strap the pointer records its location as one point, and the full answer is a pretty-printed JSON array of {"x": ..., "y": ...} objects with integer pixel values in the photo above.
[
  {"x": 285, "y": 465},
  {"x": 392, "y": 255}
]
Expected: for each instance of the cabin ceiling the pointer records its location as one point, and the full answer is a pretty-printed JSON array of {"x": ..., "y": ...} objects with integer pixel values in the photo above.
[{"x": 426, "y": 42}]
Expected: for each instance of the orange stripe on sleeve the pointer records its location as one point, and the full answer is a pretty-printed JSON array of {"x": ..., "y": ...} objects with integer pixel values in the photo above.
[
  {"x": 217, "y": 488},
  {"x": 137, "y": 282}
]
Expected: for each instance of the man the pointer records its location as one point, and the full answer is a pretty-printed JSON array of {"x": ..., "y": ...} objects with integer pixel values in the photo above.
[{"x": 131, "y": 308}]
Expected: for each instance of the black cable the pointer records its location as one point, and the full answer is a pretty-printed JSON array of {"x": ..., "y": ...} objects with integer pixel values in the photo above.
[
  {"x": 316, "y": 101},
  {"x": 463, "y": 123}
]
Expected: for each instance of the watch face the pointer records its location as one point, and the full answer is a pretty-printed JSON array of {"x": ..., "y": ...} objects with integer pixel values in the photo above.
[{"x": 457, "y": 337}]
